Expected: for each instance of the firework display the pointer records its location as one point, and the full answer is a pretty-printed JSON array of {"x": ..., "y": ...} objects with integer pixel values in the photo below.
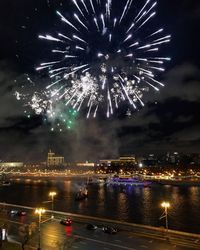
[
  {"x": 102, "y": 59},
  {"x": 104, "y": 55},
  {"x": 44, "y": 104}
]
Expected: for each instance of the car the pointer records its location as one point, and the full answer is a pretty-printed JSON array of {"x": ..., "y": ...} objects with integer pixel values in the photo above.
[
  {"x": 109, "y": 230},
  {"x": 17, "y": 212},
  {"x": 66, "y": 222},
  {"x": 91, "y": 227},
  {"x": 14, "y": 212},
  {"x": 21, "y": 213}
]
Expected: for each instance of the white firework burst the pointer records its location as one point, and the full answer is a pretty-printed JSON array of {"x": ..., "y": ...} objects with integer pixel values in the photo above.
[{"x": 105, "y": 56}]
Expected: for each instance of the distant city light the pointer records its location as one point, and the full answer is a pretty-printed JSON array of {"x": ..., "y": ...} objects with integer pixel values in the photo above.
[{"x": 140, "y": 165}]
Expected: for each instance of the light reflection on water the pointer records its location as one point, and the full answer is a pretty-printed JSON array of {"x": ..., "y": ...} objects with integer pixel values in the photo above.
[
  {"x": 121, "y": 206},
  {"x": 132, "y": 204}
]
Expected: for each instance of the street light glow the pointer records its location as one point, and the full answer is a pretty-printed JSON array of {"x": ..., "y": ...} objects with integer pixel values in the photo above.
[
  {"x": 40, "y": 211},
  {"x": 52, "y": 194},
  {"x": 165, "y": 204}
]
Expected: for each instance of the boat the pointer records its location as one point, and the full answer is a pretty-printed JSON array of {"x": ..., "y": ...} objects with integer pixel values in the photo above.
[
  {"x": 5, "y": 183},
  {"x": 128, "y": 181},
  {"x": 90, "y": 180},
  {"x": 82, "y": 194},
  {"x": 101, "y": 181}
]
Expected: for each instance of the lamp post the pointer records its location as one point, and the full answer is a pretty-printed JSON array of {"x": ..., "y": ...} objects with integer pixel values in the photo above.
[
  {"x": 165, "y": 205},
  {"x": 39, "y": 211},
  {"x": 52, "y": 194}
]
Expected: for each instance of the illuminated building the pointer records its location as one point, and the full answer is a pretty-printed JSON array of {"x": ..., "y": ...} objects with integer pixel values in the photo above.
[
  {"x": 126, "y": 163},
  {"x": 120, "y": 161},
  {"x": 11, "y": 164},
  {"x": 173, "y": 158},
  {"x": 150, "y": 160},
  {"x": 53, "y": 160},
  {"x": 85, "y": 164}
]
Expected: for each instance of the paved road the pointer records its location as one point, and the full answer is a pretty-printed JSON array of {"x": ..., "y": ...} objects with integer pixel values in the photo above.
[
  {"x": 83, "y": 239},
  {"x": 55, "y": 236}
]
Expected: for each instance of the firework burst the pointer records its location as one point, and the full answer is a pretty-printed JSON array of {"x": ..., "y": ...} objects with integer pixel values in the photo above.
[
  {"x": 44, "y": 104},
  {"x": 105, "y": 56}
]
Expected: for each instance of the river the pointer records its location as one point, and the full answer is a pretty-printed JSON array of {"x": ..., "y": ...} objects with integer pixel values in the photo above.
[{"x": 131, "y": 204}]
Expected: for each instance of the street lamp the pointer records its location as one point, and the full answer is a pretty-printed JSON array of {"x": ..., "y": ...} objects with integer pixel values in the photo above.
[
  {"x": 52, "y": 194},
  {"x": 165, "y": 205},
  {"x": 39, "y": 211}
]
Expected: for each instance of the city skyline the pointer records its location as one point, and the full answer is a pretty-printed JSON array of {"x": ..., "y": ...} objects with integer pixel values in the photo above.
[{"x": 164, "y": 158}]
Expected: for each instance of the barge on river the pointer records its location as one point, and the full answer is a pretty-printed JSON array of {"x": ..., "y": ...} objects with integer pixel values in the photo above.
[{"x": 128, "y": 181}]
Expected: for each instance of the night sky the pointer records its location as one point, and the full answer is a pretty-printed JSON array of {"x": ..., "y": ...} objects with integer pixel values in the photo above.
[{"x": 170, "y": 121}]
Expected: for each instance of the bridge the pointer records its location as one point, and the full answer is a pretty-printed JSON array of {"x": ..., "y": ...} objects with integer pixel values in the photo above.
[{"x": 24, "y": 231}]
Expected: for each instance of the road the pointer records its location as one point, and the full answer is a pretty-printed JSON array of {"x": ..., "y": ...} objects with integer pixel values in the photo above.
[{"x": 55, "y": 236}]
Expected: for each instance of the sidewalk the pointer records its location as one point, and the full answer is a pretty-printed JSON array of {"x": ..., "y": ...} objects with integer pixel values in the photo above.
[{"x": 14, "y": 246}]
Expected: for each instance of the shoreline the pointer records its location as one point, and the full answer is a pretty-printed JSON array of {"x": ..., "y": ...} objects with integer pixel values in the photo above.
[{"x": 187, "y": 183}]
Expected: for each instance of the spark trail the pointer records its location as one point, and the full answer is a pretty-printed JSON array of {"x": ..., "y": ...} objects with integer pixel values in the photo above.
[{"x": 105, "y": 56}]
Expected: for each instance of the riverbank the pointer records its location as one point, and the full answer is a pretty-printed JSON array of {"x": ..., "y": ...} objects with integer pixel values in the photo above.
[
  {"x": 68, "y": 176},
  {"x": 55, "y": 176},
  {"x": 189, "y": 183}
]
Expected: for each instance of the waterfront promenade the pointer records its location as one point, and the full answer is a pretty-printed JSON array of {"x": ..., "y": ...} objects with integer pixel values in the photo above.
[{"x": 192, "y": 181}]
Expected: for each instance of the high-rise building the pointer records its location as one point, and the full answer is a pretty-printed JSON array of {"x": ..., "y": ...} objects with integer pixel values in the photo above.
[
  {"x": 53, "y": 160},
  {"x": 173, "y": 158}
]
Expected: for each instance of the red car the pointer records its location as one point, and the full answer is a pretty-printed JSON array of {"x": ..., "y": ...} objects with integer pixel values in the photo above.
[
  {"x": 22, "y": 213},
  {"x": 66, "y": 222}
]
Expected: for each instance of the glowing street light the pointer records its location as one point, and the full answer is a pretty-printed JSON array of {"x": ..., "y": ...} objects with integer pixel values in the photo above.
[
  {"x": 39, "y": 212},
  {"x": 166, "y": 206},
  {"x": 52, "y": 194}
]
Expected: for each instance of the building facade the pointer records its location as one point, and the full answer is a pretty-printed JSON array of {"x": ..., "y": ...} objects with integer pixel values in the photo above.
[
  {"x": 125, "y": 163},
  {"x": 53, "y": 160},
  {"x": 11, "y": 164}
]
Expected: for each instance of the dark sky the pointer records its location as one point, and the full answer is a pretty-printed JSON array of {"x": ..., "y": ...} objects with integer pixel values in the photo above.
[{"x": 170, "y": 120}]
